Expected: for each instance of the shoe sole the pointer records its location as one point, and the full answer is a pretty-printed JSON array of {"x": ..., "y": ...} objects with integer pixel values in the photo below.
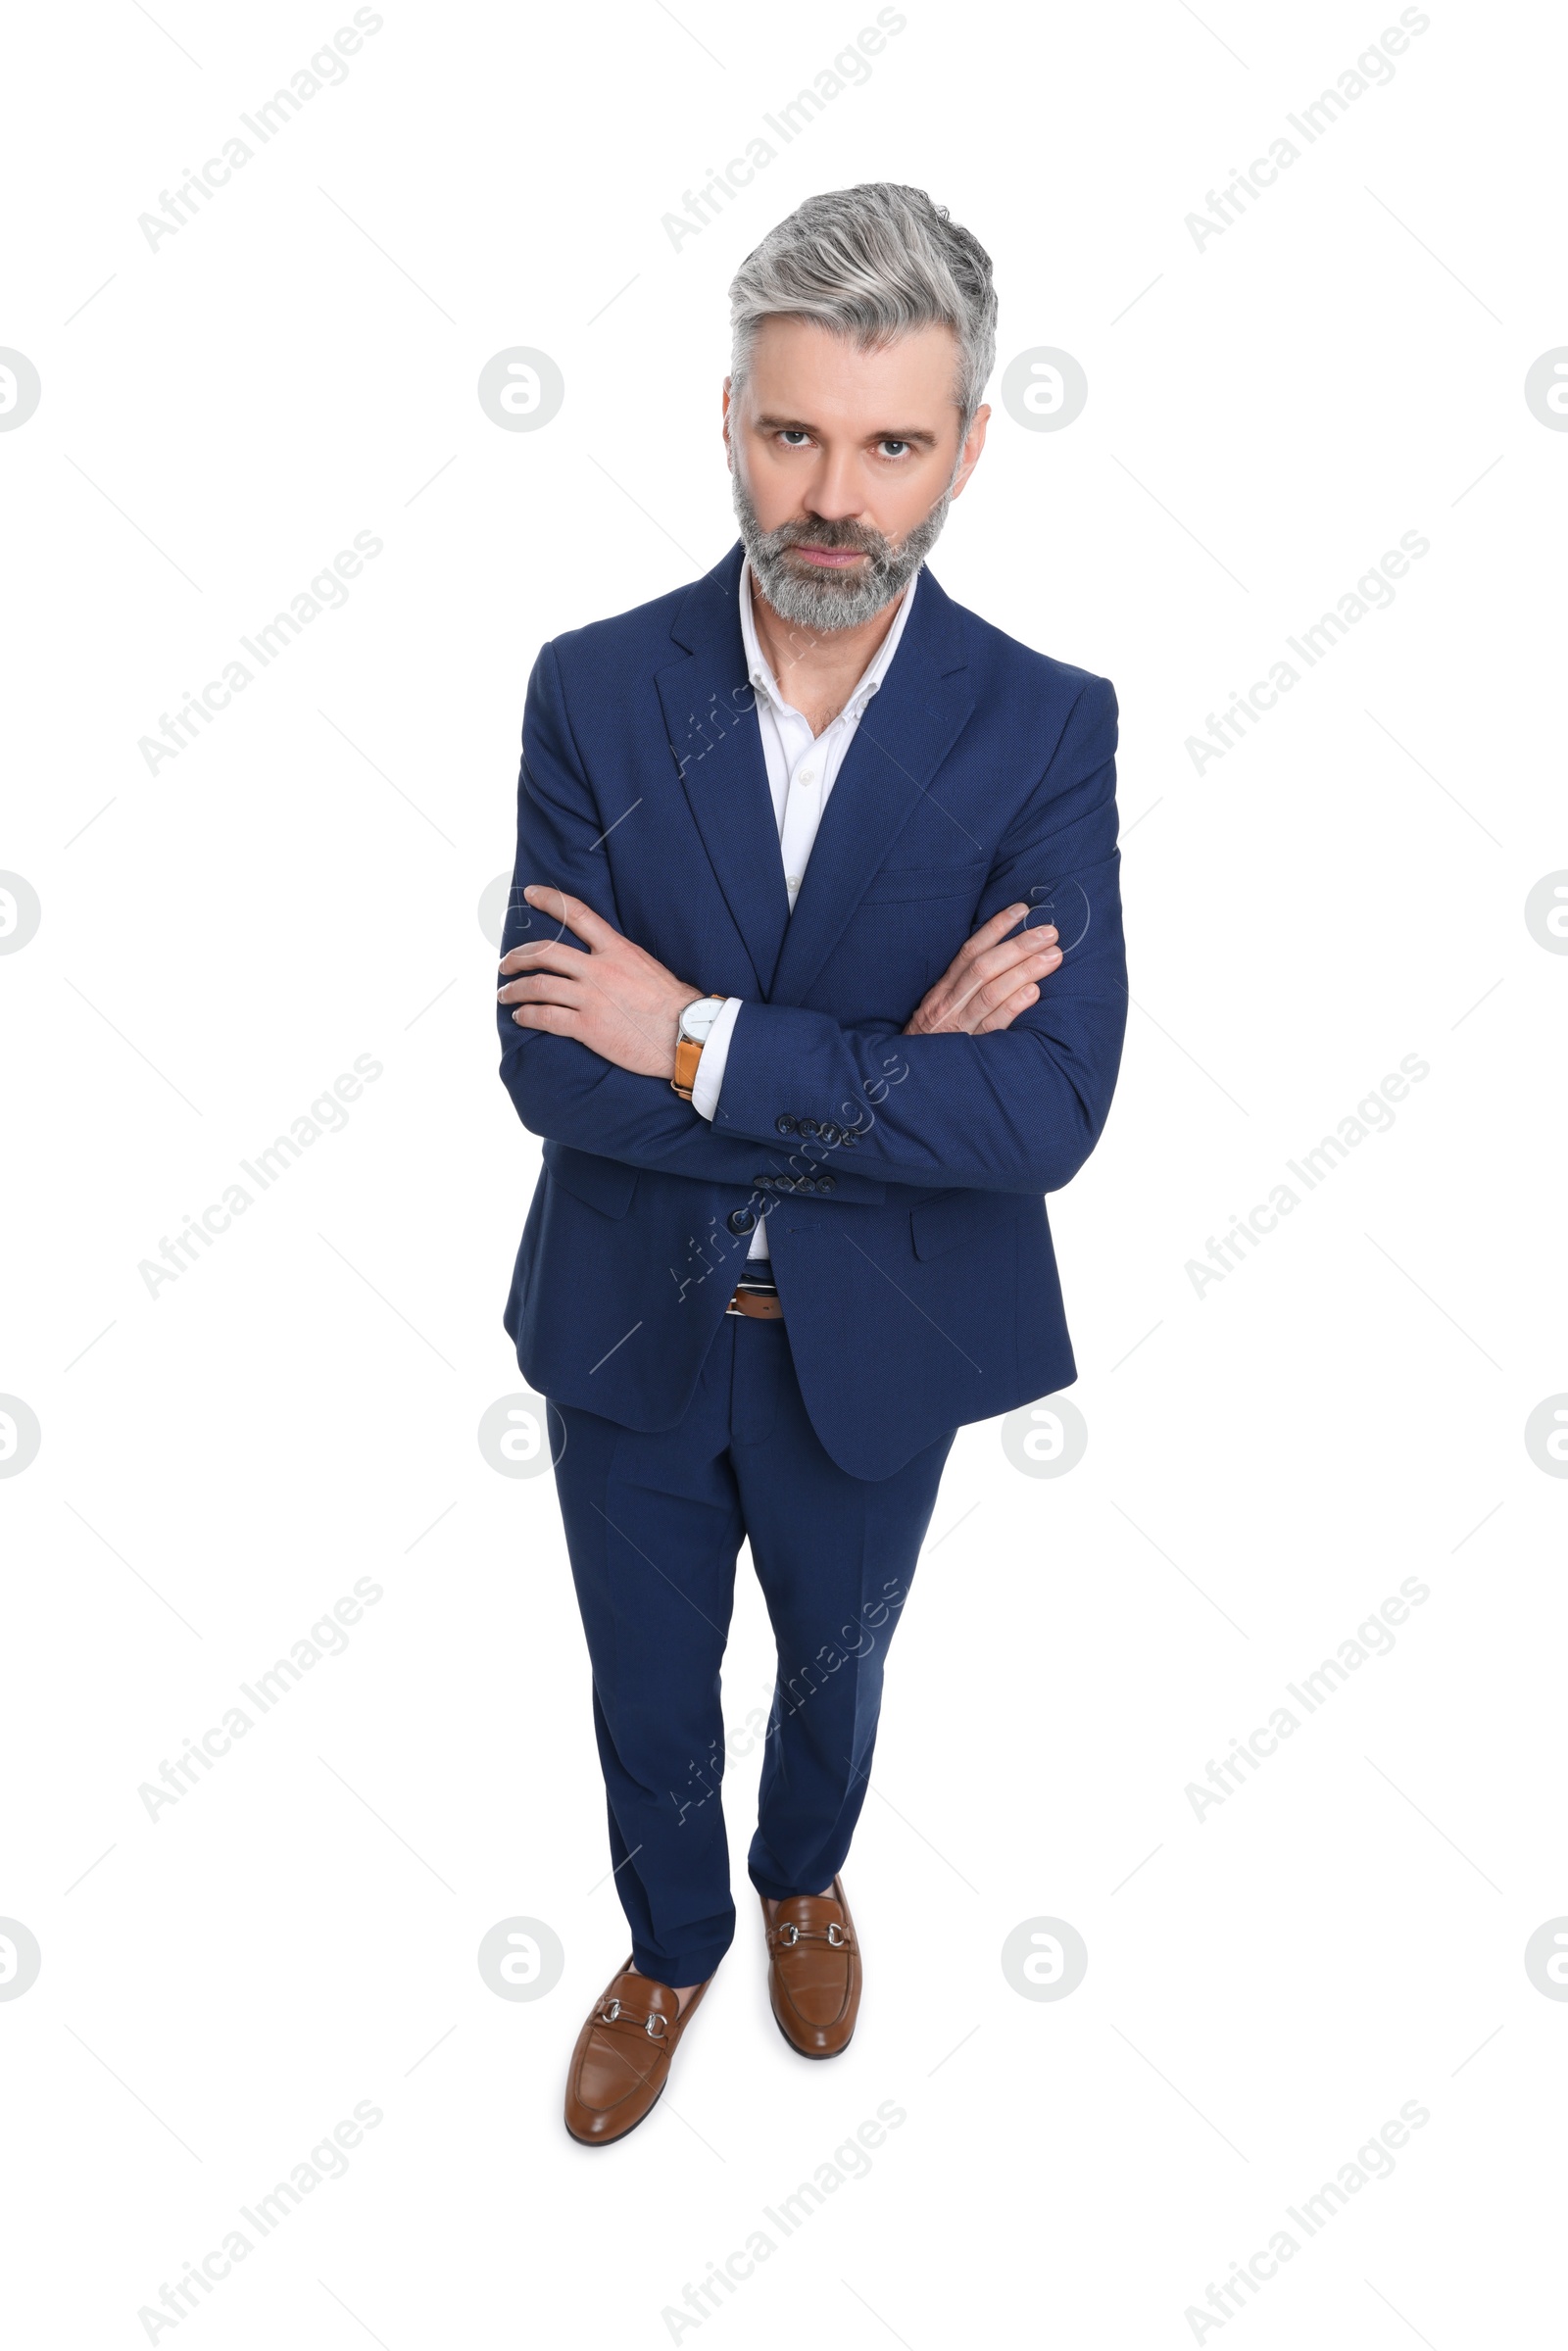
[
  {"x": 816, "y": 2056},
  {"x": 620, "y": 2136}
]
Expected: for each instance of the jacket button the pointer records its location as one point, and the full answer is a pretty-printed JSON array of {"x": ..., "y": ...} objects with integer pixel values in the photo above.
[
  {"x": 826, "y": 1183},
  {"x": 831, "y": 1133},
  {"x": 806, "y": 1126},
  {"x": 741, "y": 1220},
  {"x": 784, "y": 1124}
]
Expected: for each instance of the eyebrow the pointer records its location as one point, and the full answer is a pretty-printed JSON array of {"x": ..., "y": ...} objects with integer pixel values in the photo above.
[{"x": 926, "y": 440}]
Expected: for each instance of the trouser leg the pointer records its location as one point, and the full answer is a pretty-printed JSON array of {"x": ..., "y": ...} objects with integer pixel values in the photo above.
[
  {"x": 835, "y": 1556},
  {"x": 652, "y": 1529}
]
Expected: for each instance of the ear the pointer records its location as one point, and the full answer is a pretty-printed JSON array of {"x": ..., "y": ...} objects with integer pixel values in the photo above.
[{"x": 969, "y": 456}]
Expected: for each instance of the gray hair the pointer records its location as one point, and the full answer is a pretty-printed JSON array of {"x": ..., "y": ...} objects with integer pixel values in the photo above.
[{"x": 872, "y": 262}]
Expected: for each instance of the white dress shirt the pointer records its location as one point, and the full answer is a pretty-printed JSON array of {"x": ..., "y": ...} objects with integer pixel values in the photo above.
[{"x": 802, "y": 769}]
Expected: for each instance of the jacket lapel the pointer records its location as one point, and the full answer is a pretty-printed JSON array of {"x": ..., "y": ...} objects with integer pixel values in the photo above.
[
  {"x": 710, "y": 717},
  {"x": 909, "y": 727}
]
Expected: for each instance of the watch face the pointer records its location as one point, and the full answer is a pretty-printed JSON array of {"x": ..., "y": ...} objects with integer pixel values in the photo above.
[{"x": 699, "y": 1018}]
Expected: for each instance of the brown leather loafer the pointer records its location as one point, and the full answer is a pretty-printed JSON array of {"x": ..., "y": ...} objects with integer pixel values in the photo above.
[
  {"x": 621, "y": 2062},
  {"x": 814, "y": 1975}
]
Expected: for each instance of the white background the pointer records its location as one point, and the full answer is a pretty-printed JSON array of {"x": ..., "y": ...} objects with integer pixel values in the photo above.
[{"x": 1267, "y": 1462}]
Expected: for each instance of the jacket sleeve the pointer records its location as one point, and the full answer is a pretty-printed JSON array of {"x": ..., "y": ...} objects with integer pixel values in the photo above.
[
  {"x": 1018, "y": 1110},
  {"x": 561, "y": 1089}
]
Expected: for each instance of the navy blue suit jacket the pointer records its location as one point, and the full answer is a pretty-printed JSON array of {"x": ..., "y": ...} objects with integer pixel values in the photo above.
[{"x": 915, "y": 1261}]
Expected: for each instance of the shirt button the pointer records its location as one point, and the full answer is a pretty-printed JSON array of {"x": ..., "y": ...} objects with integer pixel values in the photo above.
[
  {"x": 807, "y": 775},
  {"x": 793, "y": 884},
  {"x": 741, "y": 1220}
]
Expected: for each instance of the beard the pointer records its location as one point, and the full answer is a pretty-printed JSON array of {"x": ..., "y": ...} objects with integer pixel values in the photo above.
[{"x": 807, "y": 597}]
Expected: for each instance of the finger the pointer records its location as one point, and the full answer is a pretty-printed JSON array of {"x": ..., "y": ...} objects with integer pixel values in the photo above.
[
  {"x": 991, "y": 982},
  {"x": 984, "y": 956},
  {"x": 996, "y": 991},
  {"x": 558, "y": 1019},
  {"x": 990, "y": 932},
  {"x": 998, "y": 961},
  {"x": 1008, "y": 1011},
  {"x": 1027, "y": 967},
  {"x": 1012, "y": 961},
  {"x": 539, "y": 988},
  {"x": 589, "y": 926},
  {"x": 542, "y": 954}
]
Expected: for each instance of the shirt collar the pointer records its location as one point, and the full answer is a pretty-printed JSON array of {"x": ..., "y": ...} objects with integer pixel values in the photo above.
[{"x": 762, "y": 675}]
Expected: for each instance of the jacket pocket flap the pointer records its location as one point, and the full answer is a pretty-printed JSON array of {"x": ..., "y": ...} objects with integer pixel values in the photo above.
[
  {"x": 604, "y": 1183},
  {"x": 953, "y": 1218},
  {"x": 945, "y": 1221}
]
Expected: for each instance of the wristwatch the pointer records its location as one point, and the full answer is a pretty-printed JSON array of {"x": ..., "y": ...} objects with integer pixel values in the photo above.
[{"x": 690, "y": 1037}]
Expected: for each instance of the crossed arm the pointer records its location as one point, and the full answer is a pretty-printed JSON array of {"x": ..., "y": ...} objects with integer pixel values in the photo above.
[
  {"x": 1000, "y": 1077},
  {"x": 1004, "y": 1071},
  {"x": 621, "y": 1004}
]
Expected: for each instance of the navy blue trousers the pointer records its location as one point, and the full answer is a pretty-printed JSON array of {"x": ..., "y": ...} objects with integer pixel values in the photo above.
[{"x": 653, "y": 1525}]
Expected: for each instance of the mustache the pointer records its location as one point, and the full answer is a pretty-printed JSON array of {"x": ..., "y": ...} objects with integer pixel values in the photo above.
[
  {"x": 818, "y": 530},
  {"x": 819, "y": 596}
]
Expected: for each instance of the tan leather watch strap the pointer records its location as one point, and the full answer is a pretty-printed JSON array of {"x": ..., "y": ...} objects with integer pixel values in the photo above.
[{"x": 687, "y": 1052}]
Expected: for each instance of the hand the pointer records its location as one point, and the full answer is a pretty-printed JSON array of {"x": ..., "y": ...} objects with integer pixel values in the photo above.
[
  {"x": 988, "y": 982},
  {"x": 616, "y": 999}
]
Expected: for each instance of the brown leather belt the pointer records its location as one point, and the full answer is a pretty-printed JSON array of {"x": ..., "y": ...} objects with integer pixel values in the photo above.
[{"x": 758, "y": 1305}]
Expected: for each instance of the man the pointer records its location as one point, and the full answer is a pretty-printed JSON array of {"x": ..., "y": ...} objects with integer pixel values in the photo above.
[{"x": 813, "y": 985}]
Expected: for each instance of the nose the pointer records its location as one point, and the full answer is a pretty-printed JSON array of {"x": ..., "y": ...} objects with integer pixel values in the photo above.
[{"x": 835, "y": 492}]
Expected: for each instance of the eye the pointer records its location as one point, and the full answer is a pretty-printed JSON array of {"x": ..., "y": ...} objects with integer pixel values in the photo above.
[
  {"x": 892, "y": 447},
  {"x": 794, "y": 436}
]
